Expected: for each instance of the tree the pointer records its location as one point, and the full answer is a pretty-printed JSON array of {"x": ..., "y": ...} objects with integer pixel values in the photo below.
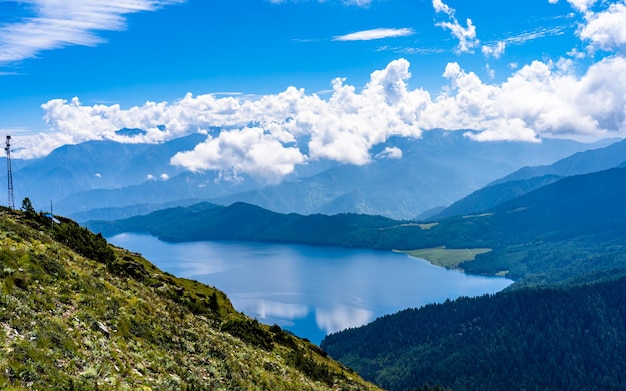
[{"x": 27, "y": 207}]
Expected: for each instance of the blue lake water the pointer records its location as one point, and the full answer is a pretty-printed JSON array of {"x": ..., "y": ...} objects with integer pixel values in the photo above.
[{"x": 311, "y": 291}]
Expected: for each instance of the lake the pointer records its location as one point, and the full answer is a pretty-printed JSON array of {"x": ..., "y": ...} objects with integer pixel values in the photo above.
[{"x": 311, "y": 291}]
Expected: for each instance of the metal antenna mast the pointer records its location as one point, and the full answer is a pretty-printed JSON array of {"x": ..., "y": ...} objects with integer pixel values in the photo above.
[{"x": 7, "y": 149}]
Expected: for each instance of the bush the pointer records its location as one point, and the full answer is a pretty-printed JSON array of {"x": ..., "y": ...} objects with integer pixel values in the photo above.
[
  {"x": 250, "y": 331},
  {"x": 84, "y": 242}
]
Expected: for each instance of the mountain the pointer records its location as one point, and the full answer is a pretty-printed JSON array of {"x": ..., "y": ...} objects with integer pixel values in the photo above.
[
  {"x": 184, "y": 186},
  {"x": 529, "y": 339},
  {"x": 247, "y": 222},
  {"x": 435, "y": 170},
  {"x": 95, "y": 165},
  {"x": 527, "y": 179},
  {"x": 79, "y": 314},
  {"x": 119, "y": 213},
  {"x": 550, "y": 235},
  {"x": 490, "y": 196},
  {"x": 584, "y": 162}
]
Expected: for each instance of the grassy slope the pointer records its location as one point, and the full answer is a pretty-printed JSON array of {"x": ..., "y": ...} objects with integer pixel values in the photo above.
[
  {"x": 70, "y": 322},
  {"x": 449, "y": 258}
]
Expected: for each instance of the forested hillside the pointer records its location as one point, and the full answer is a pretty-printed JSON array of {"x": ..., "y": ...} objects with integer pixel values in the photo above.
[
  {"x": 491, "y": 196},
  {"x": 242, "y": 221},
  {"x": 527, "y": 339},
  {"x": 531, "y": 178}
]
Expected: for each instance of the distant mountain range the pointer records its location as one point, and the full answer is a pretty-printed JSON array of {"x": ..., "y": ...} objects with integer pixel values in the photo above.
[
  {"x": 71, "y": 169},
  {"x": 436, "y": 170},
  {"x": 552, "y": 234},
  {"x": 527, "y": 179}
]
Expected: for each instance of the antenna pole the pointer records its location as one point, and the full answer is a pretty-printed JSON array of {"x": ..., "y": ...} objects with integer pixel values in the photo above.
[{"x": 7, "y": 149}]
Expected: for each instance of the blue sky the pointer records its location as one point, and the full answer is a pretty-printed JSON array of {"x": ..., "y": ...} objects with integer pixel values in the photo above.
[{"x": 72, "y": 71}]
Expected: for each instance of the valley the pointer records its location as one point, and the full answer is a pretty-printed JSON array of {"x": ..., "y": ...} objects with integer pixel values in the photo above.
[{"x": 345, "y": 195}]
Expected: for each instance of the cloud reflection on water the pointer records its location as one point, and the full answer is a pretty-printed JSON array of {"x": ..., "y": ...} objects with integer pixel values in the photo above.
[
  {"x": 341, "y": 318},
  {"x": 270, "y": 311},
  {"x": 327, "y": 319}
]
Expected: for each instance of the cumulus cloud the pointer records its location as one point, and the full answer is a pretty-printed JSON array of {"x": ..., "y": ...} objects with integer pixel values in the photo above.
[
  {"x": 606, "y": 30},
  {"x": 269, "y": 136},
  {"x": 580, "y": 5},
  {"x": 56, "y": 24},
  {"x": 368, "y": 35},
  {"x": 465, "y": 35},
  {"x": 543, "y": 99},
  {"x": 250, "y": 150}
]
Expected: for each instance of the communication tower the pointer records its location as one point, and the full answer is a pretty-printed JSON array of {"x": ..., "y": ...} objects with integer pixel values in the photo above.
[{"x": 7, "y": 149}]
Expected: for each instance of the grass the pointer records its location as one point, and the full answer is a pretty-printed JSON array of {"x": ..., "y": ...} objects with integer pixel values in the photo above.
[{"x": 447, "y": 257}]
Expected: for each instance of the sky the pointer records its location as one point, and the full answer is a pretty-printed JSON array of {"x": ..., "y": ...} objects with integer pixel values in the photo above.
[{"x": 293, "y": 81}]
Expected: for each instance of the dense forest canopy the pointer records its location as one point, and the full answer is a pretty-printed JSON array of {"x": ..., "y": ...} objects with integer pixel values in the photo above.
[{"x": 533, "y": 339}]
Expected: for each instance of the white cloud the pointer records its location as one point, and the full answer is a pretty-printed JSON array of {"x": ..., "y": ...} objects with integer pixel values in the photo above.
[
  {"x": 581, "y": 5},
  {"x": 548, "y": 100},
  {"x": 465, "y": 35},
  {"x": 250, "y": 150},
  {"x": 368, "y": 35},
  {"x": 440, "y": 6},
  {"x": 606, "y": 30},
  {"x": 536, "y": 34},
  {"x": 495, "y": 51},
  {"x": 165, "y": 177},
  {"x": 390, "y": 153},
  {"x": 56, "y": 24},
  {"x": 542, "y": 99},
  {"x": 359, "y": 3}
]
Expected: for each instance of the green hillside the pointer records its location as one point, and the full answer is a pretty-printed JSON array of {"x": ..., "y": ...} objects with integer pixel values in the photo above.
[
  {"x": 491, "y": 196},
  {"x": 526, "y": 339},
  {"x": 247, "y": 222},
  {"x": 79, "y": 314}
]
